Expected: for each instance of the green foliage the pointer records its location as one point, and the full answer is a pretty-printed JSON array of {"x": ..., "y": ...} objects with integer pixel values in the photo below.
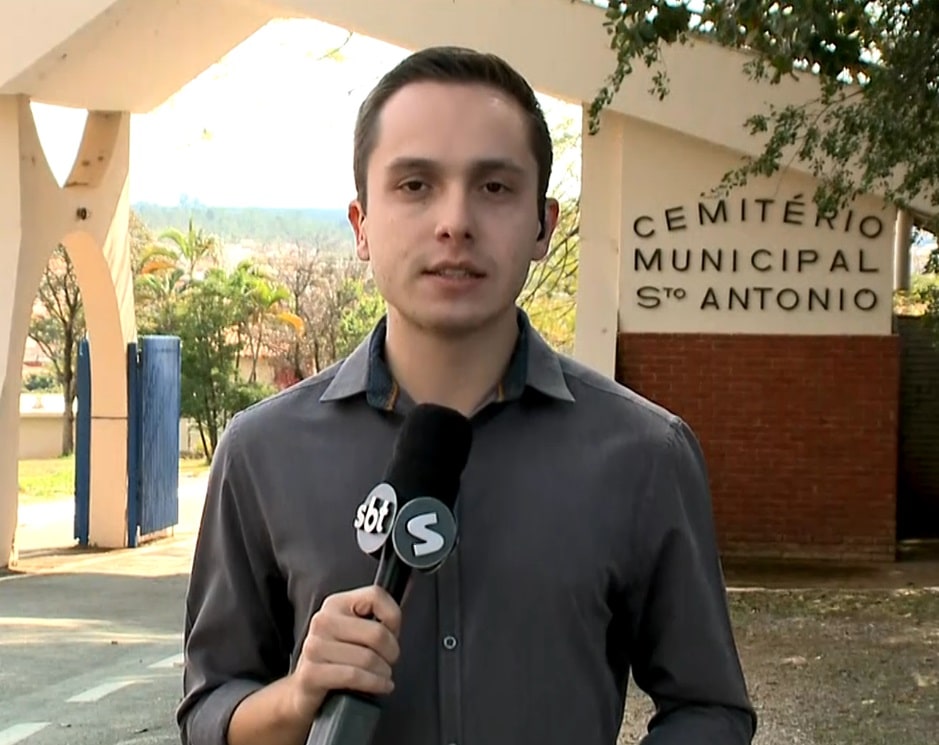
[
  {"x": 362, "y": 309},
  {"x": 203, "y": 316},
  {"x": 41, "y": 383},
  {"x": 922, "y": 300},
  {"x": 323, "y": 227},
  {"x": 218, "y": 314},
  {"x": 874, "y": 125},
  {"x": 924, "y": 289},
  {"x": 245, "y": 394},
  {"x": 550, "y": 292},
  {"x": 932, "y": 263}
]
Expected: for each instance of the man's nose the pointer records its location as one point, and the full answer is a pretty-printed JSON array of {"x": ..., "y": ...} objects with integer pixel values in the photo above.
[{"x": 455, "y": 215}]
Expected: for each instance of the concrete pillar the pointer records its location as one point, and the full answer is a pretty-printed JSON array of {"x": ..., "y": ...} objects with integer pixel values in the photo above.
[
  {"x": 601, "y": 206},
  {"x": 902, "y": 243},
  {"x": 89, "y": 216}
]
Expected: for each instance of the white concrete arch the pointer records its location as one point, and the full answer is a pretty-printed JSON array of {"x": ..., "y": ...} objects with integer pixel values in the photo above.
[{"x": 89, "y": 216}]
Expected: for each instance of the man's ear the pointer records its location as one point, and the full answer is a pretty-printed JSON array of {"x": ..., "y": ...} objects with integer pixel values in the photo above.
[
  {"x": 356, "y": 216},
  {"x": 549, "y": 222}
]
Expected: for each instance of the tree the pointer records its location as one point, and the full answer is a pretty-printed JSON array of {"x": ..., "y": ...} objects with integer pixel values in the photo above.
[
  {"x": 549, "y": 295},
  {"x": 874, "y": 125},
  {"x": 57, "y": 328},
  {"x": 218, "y": 315},
  {"x": 262, "y": 310},
  {"x": 163, "y": 268},
  {"x": 206, "y": 317},
  {"x": 141, "y": 238},
  {"x": 337, "y": 302}
]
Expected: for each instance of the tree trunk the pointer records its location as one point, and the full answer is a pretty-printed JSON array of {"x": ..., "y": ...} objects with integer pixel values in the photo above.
[
  {"x": 255, "y": 353},
  {"x": 205, "y": 445},
  {"x": 68, "y": 426},
  {"x": 297, "y": 369},
  {"x": 68, "y": 393}
]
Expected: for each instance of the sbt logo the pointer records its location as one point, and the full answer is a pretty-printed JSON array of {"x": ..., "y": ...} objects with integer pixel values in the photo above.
[{"x": 374, "y": 518}]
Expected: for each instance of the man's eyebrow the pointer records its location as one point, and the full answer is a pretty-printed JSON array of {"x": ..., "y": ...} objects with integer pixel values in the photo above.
[
  {"x": 406, "y": 163},
  {"x": 483, "y": 165},
  {"x": 488, "y": 165}
]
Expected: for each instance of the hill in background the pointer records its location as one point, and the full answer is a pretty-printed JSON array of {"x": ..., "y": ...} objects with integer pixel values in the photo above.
[{"x": 324, "y": 229}]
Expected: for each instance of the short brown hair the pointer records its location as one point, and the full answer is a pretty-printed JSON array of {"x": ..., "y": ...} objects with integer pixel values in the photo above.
[{"x": 448, "y": 64}]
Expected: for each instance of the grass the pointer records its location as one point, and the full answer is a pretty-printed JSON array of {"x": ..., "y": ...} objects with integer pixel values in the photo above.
[
  {"x": 50, "y": 479},
  {"x": 47, "y": 479}
]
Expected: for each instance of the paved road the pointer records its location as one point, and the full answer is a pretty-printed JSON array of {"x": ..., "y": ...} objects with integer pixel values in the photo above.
[{"x": 90, "y": 648}]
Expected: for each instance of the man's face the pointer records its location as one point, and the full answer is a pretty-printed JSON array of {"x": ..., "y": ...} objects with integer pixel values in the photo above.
[{"x": 451, "y": 226}]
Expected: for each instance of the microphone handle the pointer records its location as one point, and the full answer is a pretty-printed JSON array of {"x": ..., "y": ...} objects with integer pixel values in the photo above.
[
  {"x": 392, "y": 574},
  {"x": 347, "y": 717}
]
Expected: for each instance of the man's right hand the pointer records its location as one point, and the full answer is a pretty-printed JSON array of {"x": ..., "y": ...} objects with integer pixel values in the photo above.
[{"x": 351, "y": 644}]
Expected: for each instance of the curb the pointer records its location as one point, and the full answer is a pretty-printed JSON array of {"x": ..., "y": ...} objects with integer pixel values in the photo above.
[{"x": 54, "y": 565}]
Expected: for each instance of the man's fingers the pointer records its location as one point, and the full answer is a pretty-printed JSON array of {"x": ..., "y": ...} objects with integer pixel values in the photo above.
[
  {"x": 330, "y": 676},
  {"x": 374, "y": 601},
  {"x": 370, "y": 635},
  {"x": 330, "y": 652},
  {"x": 367, "y": 602}
]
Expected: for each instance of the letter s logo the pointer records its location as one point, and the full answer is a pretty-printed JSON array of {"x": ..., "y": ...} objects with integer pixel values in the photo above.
[
  {"x": 424, "y": 533},
  {"x": 419, "y": 527}
]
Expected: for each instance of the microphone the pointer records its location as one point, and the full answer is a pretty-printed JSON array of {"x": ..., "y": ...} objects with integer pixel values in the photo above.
[{"x": 407, "y": 521}]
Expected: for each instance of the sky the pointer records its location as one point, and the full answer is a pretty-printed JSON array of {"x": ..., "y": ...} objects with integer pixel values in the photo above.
[{"x": 239, "y": 136}]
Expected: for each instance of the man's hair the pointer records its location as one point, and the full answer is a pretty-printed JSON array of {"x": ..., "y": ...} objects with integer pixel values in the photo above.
[{"x": 448, "y": 64}]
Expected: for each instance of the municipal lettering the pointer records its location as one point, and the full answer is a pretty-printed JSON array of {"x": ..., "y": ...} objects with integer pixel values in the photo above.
[{"x": 759, "y": 259}]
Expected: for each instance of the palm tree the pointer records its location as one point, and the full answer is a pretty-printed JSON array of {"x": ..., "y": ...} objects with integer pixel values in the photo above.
[
  {"x": 162, "y": 272},
  {"x": 264, "y": 301}
]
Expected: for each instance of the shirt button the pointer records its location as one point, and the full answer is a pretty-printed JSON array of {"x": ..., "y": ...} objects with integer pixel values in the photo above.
[{"x": 449, "y": 642}]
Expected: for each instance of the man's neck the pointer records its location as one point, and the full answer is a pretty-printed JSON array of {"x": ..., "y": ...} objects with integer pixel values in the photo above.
[{"x": 461, "y": 373}]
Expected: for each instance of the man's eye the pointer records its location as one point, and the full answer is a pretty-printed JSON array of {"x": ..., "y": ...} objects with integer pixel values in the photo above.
[
  {"x": 494, "y": 187},
  {"x": 413, "y": 186}
]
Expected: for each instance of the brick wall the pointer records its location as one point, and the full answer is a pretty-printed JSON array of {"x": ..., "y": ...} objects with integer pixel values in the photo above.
[
  {"x": 918, "y": 477},
  {"x": 800, "y": 435}
]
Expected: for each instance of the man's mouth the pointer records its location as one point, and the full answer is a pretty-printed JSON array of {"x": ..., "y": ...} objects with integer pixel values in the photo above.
[{"x": 456, "y": 272}]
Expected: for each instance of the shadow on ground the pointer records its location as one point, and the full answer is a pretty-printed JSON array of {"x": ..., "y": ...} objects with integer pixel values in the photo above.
[{"x": 917, "y": 565}]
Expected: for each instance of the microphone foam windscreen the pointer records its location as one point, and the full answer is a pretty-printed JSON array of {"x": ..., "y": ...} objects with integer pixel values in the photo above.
[{"x": 430, "y": 454}]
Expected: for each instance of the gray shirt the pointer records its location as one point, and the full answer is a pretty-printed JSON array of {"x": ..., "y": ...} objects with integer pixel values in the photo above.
[{"x": 587, "y": 548}]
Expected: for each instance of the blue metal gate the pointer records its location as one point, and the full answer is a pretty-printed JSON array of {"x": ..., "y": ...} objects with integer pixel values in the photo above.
[
  {"x": 82, "y": 443},
  {"x": 154, "y": 389}
]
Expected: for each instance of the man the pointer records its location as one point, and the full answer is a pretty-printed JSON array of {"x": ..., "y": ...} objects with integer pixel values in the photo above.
[{"x": 586, "y": 540}]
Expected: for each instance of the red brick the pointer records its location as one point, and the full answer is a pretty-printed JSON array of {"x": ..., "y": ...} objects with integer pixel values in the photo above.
[{"x": 800, "y": 434}]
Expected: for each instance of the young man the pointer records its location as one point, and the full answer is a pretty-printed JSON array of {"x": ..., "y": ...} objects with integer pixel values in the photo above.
[{"x": 586, "y": 540}]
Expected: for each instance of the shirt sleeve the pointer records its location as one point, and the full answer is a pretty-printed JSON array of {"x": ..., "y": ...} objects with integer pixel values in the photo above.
[
  {"x": 233, "y": 641},
  {"x": 682, "y": 646}
]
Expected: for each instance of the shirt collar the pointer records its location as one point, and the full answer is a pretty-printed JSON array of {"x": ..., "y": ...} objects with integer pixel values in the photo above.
[{"x": 533, "y": 365}]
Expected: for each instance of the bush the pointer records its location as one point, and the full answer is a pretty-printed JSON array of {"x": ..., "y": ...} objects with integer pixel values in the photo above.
[
  {"x": 244, "y": 395},
  {"x": 41, "y": 383}
]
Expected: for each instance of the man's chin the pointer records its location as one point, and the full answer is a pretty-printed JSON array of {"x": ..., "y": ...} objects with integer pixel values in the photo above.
[{"x": 452, "y": 325}]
